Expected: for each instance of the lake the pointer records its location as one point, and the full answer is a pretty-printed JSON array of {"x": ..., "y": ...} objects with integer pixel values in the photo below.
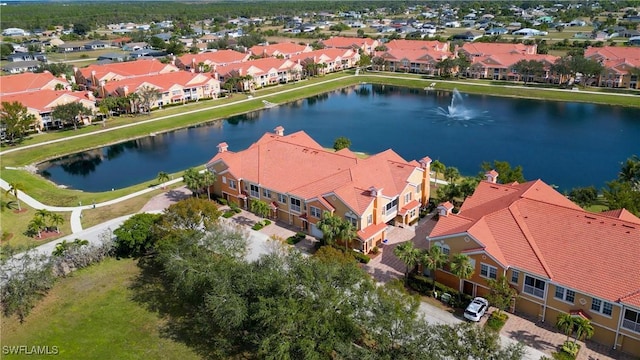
[{"x": 563, "y": 143}]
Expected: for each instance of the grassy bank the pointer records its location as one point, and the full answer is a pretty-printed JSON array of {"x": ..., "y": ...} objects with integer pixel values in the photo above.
[
  {"x": 195, "y": 113},
  {"x": 14, "y": 224},
  {"x": 91, "y": 315}
]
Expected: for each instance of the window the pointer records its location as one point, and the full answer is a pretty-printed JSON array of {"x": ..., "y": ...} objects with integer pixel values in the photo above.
[
  {"x": 602, "y": 307},
  {"x": 515, "y": 275},
  {"x": 533, "y": 286},
  {"x": 232, "y": 184},
  {"x": 488, "y": 271},
  {"x": 631, "y": 320},
  {"x": 369, "y": 219},
  {"x": 224, "y": 180},
  {"x": 352, "y": 219},
  {"x": 282, "y": 199},
  {"x": 407, "y": 198},
  {"x": 390, "y": 207},
  {"x": 444, "y": 248},
  {"x": 565, "y": 294},
  {"x": 266, "y": 193},
  {"x": 315, "y": 212},
  {"x": 418, "y": 190},
  {"x": 295, "y": 204},
  {"x": 255, "y": 191}
]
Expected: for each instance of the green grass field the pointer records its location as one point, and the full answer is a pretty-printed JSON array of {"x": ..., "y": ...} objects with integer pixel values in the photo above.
[{"x": 91, "y": 315}]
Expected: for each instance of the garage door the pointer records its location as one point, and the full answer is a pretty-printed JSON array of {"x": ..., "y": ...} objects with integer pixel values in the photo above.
[{"x": 315, "y": 232}]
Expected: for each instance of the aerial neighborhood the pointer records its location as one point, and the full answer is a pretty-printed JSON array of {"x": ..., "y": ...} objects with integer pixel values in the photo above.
[{"x": 278, "y": 246}]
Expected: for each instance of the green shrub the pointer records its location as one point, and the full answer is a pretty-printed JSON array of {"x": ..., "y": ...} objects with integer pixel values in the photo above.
[
  {"x": 257, "y": 226},
  {"x": 496, "y": 321},
  {"x": 222, "y": 201},
  {"x": 375, "y": 250},
  {"x": 292, "y": 240},
  {"x": 361, "y": 257},
  {"x": 301, "y": 235},
  {"x": 562, "y": 355},
  {"x": 227, "y": 214},
  {"x": 266, "y": 222},
  {"x": 571, "y": 348},
  {"x": 237, "y": 210}
]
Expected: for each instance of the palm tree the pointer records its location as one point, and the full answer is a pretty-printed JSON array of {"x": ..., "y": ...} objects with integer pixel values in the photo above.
[
  {"x": 208, "y": 179},
  {"x": 565, "y": 323},
  {"x": 433, "y": 259},
  {"x": 36, "y": 224},
  {"x": 329, "y": 225},
  {"x": 346, "y": 233},
  {"x": 192, "y": 178},
  {"x": 14, "y": 188},
  {"x": 56, "y": 220},
  {"x": 162, "y": 178},
  {"x": 584, "y": 329},
  {"x": 461, "y": 267},
  {"x": 451, "y": 174},
  {"x": 148, "y": 96},
  {"x": 60, "y": 248},
  {"x": 260, "y": 208},
  {"x": 439, "y": 168},
  {"x": 409, "y": 255}
]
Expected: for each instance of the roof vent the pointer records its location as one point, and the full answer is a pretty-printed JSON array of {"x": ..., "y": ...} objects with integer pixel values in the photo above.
[
  {"x": 279, "y": 131},
  {"x": 491, "y": 176},
  {"x": 222, "y": 147}
]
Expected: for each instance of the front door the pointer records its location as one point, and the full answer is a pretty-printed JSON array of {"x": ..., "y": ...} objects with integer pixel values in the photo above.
[{"x": 467, "y": 288}]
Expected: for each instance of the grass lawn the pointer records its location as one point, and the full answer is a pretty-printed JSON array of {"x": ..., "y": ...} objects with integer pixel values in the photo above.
[
  {"x": 16, "y": 224},
  {"x": 90, "y": 315}
]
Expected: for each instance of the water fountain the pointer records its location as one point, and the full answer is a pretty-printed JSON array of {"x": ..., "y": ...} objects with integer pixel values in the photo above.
[{"x": 456, "y": 112}]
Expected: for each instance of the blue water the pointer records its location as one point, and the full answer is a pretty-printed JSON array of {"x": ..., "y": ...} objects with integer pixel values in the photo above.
[{"x": 564, "y": 144}]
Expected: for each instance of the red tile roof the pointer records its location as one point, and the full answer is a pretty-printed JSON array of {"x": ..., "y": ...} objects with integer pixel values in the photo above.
[
  {"x": 285, "y": 49},
  {"x": 162, "y": 82},
  {"x": 612, "y": 52},
  {"x": 534, "y": 228},
  {"x": 220, "y": 57},
  {"x": 257, "y": 67},
  {"x": 128, "y": 69},
  {"x": 508, "y": 60},
  {"x": 482, "y": 49},
  {"x": 11, "y": 84},
  {"x": 371, "y": 231},
  {"x": 298, "y": 165},
  {"x": 431, "y": 45},
  {"x": 346, "y": 42},
  {"x": 44, "y": 100}
]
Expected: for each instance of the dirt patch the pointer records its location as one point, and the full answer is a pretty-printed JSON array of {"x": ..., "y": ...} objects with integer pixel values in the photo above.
[
  {"x": 20, "y": 211},
  {"x": 44, "y": 235}
]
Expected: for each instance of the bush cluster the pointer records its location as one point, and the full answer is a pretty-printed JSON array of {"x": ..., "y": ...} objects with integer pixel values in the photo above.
[
  {"x": 361, "y": 257},
  {"x": 424, "y": 286},
  {"x": 292, "y": 240},
  {"x": 497, "y": 320},
  {"x": 260, "y": 224}
]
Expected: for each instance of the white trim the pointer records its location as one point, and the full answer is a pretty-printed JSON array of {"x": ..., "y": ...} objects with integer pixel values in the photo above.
[{"x": 489, "y": 267}]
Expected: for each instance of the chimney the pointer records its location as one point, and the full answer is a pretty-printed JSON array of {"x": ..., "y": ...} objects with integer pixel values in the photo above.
[
  {"x": 173, "y": 60},
  {"x": 377, "y": 204},
  {"x": 445, "y": 209},
  {"x": 193, "y": 63},
  {"x": 222, "y": 147},
  {"x": 125, "y": 89},
  {"x": 279, "y": 131},
  {"x": 492, "y": 176},
  {"x": 425, "y": 190}
]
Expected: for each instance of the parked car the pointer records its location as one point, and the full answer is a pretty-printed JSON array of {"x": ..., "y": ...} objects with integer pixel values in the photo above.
[{"x": 476, "y": 309}]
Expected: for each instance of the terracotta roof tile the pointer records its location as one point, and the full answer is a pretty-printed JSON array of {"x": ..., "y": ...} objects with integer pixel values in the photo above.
[
  {"x": 11, "y": 84},
  {"x": 220, "y": 57},
  {"x": 128, "y": 69},
  {"x": 45, "y": 100},
  {"x": 286, "y": 49}
]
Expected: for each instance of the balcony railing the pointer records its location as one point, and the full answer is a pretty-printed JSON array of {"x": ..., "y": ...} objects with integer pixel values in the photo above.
[
  {"x": 631, "y": 325},
  {"x": 533, "y": 291}
]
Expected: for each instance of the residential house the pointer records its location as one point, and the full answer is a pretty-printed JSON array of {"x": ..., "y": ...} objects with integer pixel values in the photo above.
[
  {"x": 501, "y": 66},
  {"x": 133, "y": 46},
  {"x": 263, "y": 72},
  {"x": 96, "y": 45},
  {"x": 286, "y": 50},
  {"x": 557, "y": 256},
  {"x": 211, "y": 59},
  {"x": 415, "y": 61},
  {"x": 26, "y": 56},
  {"x": 173, "y": 87},
  {"x": 300, "y": 180},
  {"x": 367, "y": 45},
  {"x": 621, "y": 65},
  {"x": 94, "y": 75},
  {"x": 20, "y": 66},
  {"x": 467, "y": 36},
  {"x": 41, "y": 103},
  {"x": 327, "y": 60},
  {"x": 31, "y": 82}
]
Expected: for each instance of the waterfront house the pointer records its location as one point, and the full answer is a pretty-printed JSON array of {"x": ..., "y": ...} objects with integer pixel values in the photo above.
[
  {"x": 94, "y": 75},
  {"x": 30, "y": 82},
  {"x": 472, "y": 50},
  {"x": 263, "y": 72},
  {"x": 41, "y": 103},
  {"x": 325, "y": 61},
  {"x": 300, "y": 180},
  {"x": 174, "y": 87},
  {"x": 417, "y": 56},
  {"x": 559, "y": 257},
  {"x": 209, "y": 60},
  {"x": 619, "y": 65},
  {"x": 501, "y": 67},
  {"x": 367, "y": 45},
  {"x": 285, "y": 50}
]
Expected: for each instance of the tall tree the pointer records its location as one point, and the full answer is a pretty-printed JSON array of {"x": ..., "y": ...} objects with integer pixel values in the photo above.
[
  {"x": 461, "y": 267},
  {"x": 341, "y": 143},
  {"x": 260, "y": 208},
  {"x": 56, "y": 220},
  {"x": 163, "y": 177},
  {"x": 584, "y": 196},
  {"x": 148, "y": 96},
  {"x": 528, "y": 69},
  {"x": 70, "y": 113},
  {"x": 500, "y": 293},
  {"x": 438, "y": 168},
  {"x": 409, "y": 255},
  {"x": 135, "y": 236},
  {"x": 193, "y": 179},
  {"x": 433, "y": 259},
  {"x": 208, "y": 179},
  {"x": 14, "y": 189},
  {"x": 330, "y": 225},
  {"x": 507, "y": 174},
  {"x": 451, "y": 174},
  {"x": 16, "y": 120},
  {"x": 584, "y": 329}
]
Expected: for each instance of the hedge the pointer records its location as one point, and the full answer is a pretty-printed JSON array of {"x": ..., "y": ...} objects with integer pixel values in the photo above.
[{"x": 496, "y": 321}]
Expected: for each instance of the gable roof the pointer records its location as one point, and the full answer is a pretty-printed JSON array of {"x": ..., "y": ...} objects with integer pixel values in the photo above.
[
  {"x": 347, "y": 42},
  {"x": 220, "y": 57},
  {"x": 162, "y": 82},
  {"x": 19, "y": 83},
  {"x": 482, "y": 49},
  {"x": 432, "y": 45},
  {"x": 319, "y": 173},
  {"x": 128, "y": 69},
  {"x": 612, "y": 52},
  {"x": 46, "y": 100},
  {"x": 534, "y": 228},
  {"x": 286, "y": 49}
]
